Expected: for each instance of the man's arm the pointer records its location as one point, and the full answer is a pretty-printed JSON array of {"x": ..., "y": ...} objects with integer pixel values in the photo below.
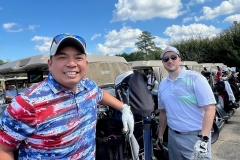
[
  {"x": 162, "y": 126},
  {"x": 9, "y": 98},
  {"x": 201, "y": 149},
  {"x": 109, "y": 100},
  {"x": 6, "y": 153},
  {"x": 162, "y": 122},
  {"x": 208, "y": 119},
  {"x": 127, "y": 116},
  {"x": 16, "y": 117}
]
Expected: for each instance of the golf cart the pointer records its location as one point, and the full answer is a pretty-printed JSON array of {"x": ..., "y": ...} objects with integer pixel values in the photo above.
[
  {"x": 154, "y": 65},
  {"x": 192, "y": 65}
]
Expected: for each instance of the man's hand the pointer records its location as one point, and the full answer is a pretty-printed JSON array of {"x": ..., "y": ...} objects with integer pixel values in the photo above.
[
  {"x": 159, "y": 143},
  {"x": 127, "y": 119},
  {"x": 200, "y": 150}
]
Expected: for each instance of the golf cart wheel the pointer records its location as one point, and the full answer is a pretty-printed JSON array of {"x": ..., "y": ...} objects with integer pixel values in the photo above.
[{"x": 214, "y": 133}]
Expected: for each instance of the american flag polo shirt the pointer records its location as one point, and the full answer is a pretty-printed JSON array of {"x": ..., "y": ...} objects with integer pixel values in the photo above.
[{"x": 49, "y": 122}]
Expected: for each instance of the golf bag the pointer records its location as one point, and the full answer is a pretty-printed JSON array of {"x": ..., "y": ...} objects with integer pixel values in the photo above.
[
  {"x": 131, "y": 88},
  {"x": 233, "y": 83},
  {"x": 111, "y": 142}
]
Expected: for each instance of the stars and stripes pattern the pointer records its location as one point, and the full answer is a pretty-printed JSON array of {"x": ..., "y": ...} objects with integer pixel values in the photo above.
[{"x": 49, "y": 122}]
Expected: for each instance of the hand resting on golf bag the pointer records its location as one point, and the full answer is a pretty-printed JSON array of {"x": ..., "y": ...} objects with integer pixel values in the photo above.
[{"x": 127, "y": 119}]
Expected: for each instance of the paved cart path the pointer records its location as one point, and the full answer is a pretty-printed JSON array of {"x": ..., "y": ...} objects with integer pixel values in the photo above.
[{"x": 227, "y": 146}]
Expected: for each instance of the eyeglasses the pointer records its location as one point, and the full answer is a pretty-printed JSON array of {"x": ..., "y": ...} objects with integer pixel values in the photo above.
[
  {"x": 166, "y": 58},
  {"x": 60, "y": 37}
]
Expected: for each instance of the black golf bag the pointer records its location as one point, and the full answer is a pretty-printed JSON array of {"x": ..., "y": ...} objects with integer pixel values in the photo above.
[
  {"x": 131, "y": 88},
  {"x": 233, "y": 83},
  {"x": 111, "y": 142}
]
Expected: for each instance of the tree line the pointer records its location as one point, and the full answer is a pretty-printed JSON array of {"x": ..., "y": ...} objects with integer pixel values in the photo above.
[{"x": 223, "y": 48}]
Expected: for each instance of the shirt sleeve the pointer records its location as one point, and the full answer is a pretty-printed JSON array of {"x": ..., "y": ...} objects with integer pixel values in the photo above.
[
  {"x": 160, "y": 103},
  {"x": 100, "y": 94},
  {"x": 17, "y": 122},
  {"x": 203, "y": 91}
]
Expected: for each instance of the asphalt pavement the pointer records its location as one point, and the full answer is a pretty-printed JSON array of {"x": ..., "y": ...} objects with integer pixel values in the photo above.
[{"x": 227, "y": 147}]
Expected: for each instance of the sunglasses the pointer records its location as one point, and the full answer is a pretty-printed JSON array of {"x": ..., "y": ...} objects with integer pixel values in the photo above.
[
  {"x": 166, "y": 58},
  {"x": 60, "y": 37}
]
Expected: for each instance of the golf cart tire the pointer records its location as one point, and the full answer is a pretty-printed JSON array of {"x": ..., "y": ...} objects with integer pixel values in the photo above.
[{"x": 215, "y": 133}]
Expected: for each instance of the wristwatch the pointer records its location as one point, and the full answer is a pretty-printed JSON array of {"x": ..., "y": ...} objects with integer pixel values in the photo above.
[{"x": 203, "y": 138}]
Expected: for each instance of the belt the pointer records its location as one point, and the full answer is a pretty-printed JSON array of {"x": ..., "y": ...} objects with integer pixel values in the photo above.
[{"x": 190, "y": 132}]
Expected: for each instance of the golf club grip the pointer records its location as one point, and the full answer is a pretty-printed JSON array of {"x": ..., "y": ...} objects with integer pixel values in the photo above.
[
  {"x": 160, "y": 145},
  {"x": 162, "y": 150}
]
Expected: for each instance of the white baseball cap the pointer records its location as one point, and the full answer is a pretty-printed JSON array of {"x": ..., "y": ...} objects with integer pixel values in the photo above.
[{"x": 169, "y": 49}]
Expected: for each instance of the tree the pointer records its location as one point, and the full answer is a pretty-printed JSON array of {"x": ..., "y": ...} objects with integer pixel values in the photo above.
[
  {"x": 155, "y": 54},
  {"x": 2, "y": 62},
  {"x": 145, "y": 43},
  {"x": 134, "y": 56}
]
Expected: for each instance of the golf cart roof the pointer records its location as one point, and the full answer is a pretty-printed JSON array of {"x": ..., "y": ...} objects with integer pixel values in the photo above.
[
  {"x": 155, "y": 65},
  {"x": 36, "y": 63},
  {"x": 192, "y": 65},
  {"x": 189, "y": 63},
  {"x": 15, "y": 80},
  {"x": 207, "y": 64},
  {"x": 102, "y": 58},
  {"x": 221, "y": 65},
  {"x": 141, "y": 64},
  {"x": 210, "y": 67},
  {"x": 102, "y": 69}
]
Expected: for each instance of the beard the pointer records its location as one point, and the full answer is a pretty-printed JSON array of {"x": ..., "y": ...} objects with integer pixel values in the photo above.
[{"x": 175, "y": 68}]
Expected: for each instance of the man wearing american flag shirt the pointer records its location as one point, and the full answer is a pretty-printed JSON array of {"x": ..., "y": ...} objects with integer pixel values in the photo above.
[{"x": 56, "y": 118}]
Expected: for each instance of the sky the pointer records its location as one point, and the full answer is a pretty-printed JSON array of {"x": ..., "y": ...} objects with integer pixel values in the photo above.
[{"x": 109, "y": 27}]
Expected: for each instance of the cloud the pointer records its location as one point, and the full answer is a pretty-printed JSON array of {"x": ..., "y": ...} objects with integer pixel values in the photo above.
[
  {"x": 176, "y": 32},
  {"x": 14, "y": 27},
  {"x": 193, "y": 2},
  {"x": 117, "y": 41},
  {"x": 9, "y": 27},
  {"x": 232, "y": 18},
  {"x": 161, "y": 42},
  {"x": 32, "y": 27},
  {"x": 1, "y": 8},
  {"x": 95, "y": 36},
  {"x": 16, "y": 30},
  {"x": 45, "y": 43},
  {"x": 134, "y": 49},
  {"x": 134, "y": 10},
  {"x": 226, "y": 7},
  {"x": 200, "y": 1},
  {"x": 187, "y": 19},
  {"x": 108, "y": 50}
]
